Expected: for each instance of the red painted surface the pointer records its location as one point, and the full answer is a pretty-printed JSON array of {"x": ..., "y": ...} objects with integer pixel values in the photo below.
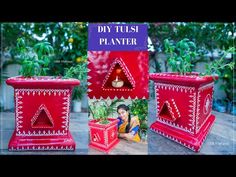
[
  {"x": 42, "y": 113},
  {"x": 131, "y": 67},
  {"x": 184, "y": 105},
  {"x": 103, "y": 137}
]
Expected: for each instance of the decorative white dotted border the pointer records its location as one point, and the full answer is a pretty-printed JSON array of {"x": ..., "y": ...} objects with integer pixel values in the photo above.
[
  {"x": 207, "y": 86},
  {"x": 181, "y": 142},
  {"x": 42, "y": 78},
  {"x": 154, "y": 75},
  {"x": 40, "y": 148},
  {"x": 106, "y": 137},
  {"x": 174, "y": 139},
  {"x": 171, "y": 110},
  {"x": 19, "y": 106},
  {"x": 177, "y": 88},
  {"x": 176, "y": 108},
  {"x": 44, "y": 92},
  {"x": 192, "y": 111},
  {"x": 125, "y": 70},
  {"x": 207, "y": 98},
  {"x": 192, "y": 105},
  {"x": 41, "y": 107},
  {"x": 122, "y": 97},
  {"x": 105, "y": 134},
  {"x": 42, "y": 133},
  {"x": 118, "y": 89}
]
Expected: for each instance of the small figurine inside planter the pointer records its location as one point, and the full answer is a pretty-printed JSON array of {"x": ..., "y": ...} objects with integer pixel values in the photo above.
[
  {"x": 42, "y": 103},
  {"x": 103, "y": 130},
  {"x": 184, "y": 98}
]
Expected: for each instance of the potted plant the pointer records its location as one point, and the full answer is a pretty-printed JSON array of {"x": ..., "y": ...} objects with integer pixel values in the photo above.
[
  {"x": 79, "y": 72},
  {"x": 183, "y": 97},
  {"x": 140, "y": 108},
  {"x": 42, "y": 103},
  {"x": 103, "y": 130}
]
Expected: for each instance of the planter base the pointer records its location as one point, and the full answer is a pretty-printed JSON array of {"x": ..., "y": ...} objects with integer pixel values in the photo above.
[
  {"x": 40, "y": 143},
  {"x": 104, "y": 148},
  {"x": 191, "y": 141}
]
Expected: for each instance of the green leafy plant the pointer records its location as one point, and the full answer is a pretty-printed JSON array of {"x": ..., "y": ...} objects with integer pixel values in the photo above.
[
  {"x": 79, "y": 72},
  {"x": 208, "y": 37},
  {"x": 68, "y": 39},
  {"x": 223, "y": 68},
  {"x": 102, "y": 109},
  {"x": 220, "y": 35},
  {"x": 180, "y": 55},
  {"x": 221, "y": 64},
  {"x": 34, "y": 60},
  {"x": 101, "y": 113},
  {"x": 140, "y": 108}
]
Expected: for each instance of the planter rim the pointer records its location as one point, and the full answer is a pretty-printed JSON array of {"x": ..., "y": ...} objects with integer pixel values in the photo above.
[
  {"x": 41, "y": 81},
  {"x": 93, "y": 122},
  {"x": 172, "y": 77}
]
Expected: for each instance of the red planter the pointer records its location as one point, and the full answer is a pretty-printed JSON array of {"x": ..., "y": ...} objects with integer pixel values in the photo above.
[
  {"x": 103, "y": 137},
  {"x": 42, "y": 113},
  {"x": 184, "y": 105},
  {"x": 130, "y": 66}
]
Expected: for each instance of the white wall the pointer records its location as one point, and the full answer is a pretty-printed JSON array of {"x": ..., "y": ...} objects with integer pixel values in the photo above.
[{"x": 7, "y": 92}]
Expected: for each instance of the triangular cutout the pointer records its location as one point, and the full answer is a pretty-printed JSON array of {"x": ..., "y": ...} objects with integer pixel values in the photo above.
[
  {"x": 169, "y": 111},
  {"x": 118, "y": 77},
  {"x": 42, "y": 118}
]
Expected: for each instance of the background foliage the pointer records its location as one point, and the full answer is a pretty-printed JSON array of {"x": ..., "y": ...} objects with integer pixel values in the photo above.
[
  {"x": 212, "y": 40},
  {"x": 67, "y": 40}
]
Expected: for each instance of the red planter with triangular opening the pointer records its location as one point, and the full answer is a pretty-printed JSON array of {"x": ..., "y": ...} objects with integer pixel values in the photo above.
[
  {"x": 118, "y": 74},
  {"x": 42, "y": 113},
  {"x": 103, "y": 137},
  {"x": 184, "y": 105}
]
